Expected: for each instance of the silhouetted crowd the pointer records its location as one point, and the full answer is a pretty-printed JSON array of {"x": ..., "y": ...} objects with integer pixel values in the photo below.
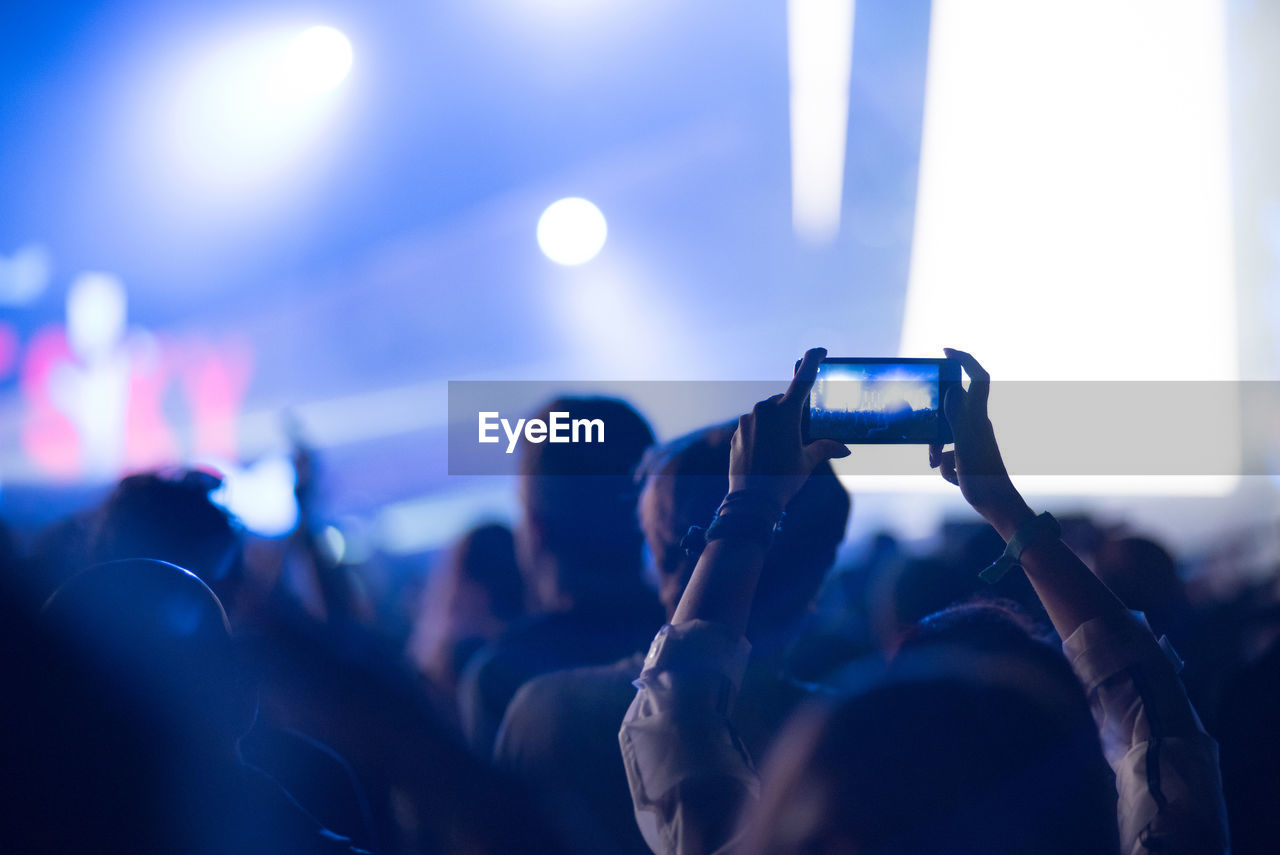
[{"x": 662, "y": 654}]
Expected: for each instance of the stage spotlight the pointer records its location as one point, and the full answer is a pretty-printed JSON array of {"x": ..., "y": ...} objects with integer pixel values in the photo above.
[
  {"x": 252, "y": 108},
  {"x": 571, "y": 231},
  {"x": 316, "y": 61}
]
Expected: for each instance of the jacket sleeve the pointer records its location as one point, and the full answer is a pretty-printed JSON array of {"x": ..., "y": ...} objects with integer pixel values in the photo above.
[
  {"x": 1168, "y": 784},
  {"x": 687, "y": 770}
]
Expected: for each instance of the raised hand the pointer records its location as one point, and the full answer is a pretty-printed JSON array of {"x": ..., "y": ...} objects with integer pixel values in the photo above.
[
  {"x": 975, "y": 465},
  {"x": 768, "y": 464},
  {"x": 768, "y": 454}
]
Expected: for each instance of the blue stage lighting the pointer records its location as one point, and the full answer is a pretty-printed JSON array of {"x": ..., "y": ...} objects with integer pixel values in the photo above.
[{"x": 571, "y": 231}]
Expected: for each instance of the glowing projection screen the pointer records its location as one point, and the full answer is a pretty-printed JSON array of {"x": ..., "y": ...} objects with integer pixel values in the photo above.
[{"x": 1073, "y": 218}]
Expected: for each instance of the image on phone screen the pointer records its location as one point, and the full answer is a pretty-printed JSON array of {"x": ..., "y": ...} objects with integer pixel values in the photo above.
[{"x": 865, "y": 401}]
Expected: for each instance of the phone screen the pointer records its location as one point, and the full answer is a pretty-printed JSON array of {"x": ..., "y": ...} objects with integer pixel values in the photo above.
[{"x": 864, "y": 401}]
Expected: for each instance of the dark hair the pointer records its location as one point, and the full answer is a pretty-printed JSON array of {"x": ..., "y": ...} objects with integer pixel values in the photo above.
[
  {"x": 582, "y": 495},
  {"x": 1000, "y": 627},
  {"x": 453, "y": 622},
  {"x": 949, "y": 750},
  {"x": 1144, "y": 576},
  {"x": 687, "y": 478},
  {"x": 918, "y": 587},
  {"x": 986, "y": 625},
  {"x": 486, "y": 557},
  {"x": 169, "y": 517}
]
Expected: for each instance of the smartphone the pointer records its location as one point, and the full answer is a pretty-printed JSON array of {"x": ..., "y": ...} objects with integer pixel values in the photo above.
[{"x": 880, "y": 401}]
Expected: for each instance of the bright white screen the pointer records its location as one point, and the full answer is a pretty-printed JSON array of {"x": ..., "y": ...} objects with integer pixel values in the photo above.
[{"x": 1073, "y": 218}]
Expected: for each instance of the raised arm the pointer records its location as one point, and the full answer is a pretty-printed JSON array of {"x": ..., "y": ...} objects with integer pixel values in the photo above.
[
  {"x": 768, "y": 464},
  {"x": 1169, "y": 787},
  {"x": 1071, "y": 594},
  {"x": 687, "y": 770}
]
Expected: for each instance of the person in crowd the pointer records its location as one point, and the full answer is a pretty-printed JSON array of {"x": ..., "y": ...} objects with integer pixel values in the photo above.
[
  {"x": 140, "y": 722},
  {"x": 1249, "y": 711},
  {"x": 329, "y": 690},
  {"x": 865, "y": 607},
  {"x": 169, "y": 515},
  {"x": 581, "y": 556},
  {"x": 1214, "y": 637},
  {"x": 560, "y": 731},
  {"x": 318, "y": 582},
  {"x": 1144, "y": 576},
  {"x": 473, "y": 596},
  {"x": 951, "y": 749}
]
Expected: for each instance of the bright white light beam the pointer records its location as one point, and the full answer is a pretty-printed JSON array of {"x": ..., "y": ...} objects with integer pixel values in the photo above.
[
  {"x": 1073, "y": 219},
  {"x": 250, "y": 108},
  {"x": 316, "y": 61},
  {"x": 820, "y": 55}
]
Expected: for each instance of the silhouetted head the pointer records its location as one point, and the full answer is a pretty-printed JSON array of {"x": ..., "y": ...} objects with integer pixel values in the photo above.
[
  {"x": 170, "y": 518},
  {"x": 684, "y": 482},
  {"x": 1000, "y": 628},
  {"x": 987, "y": 626},
  {"x": 579, "y": 538},
  {"x": 911, "y": 589},
  {"x": 140, "y": 714},
  {"x": 155, "y": 645},
  {"x": 485, "y": 559},
  {"x": 471, "y": 597},
  {"x": 948, "y": 751},
  {"x": 1144, "y": 576}
]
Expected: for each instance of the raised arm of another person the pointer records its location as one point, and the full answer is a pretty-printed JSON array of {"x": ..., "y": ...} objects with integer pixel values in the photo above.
[
  {"x": 687, "y": 770},
  {"x": 1166, "y": 766}
]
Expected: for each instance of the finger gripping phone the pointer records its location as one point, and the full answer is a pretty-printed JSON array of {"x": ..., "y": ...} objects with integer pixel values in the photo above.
[{"x": 861, "y": 401}]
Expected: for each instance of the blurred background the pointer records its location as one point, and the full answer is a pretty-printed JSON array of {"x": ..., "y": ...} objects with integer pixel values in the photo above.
[{"x": 232, "y": 231}]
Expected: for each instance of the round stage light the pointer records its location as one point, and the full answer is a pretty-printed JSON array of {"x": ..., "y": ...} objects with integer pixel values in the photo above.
[
  {"x": 571, "y": 231},
  {"x": 316, "y": 61}
]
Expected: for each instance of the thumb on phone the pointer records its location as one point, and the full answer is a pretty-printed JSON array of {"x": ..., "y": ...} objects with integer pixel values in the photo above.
[
  {"x": 824, "y": 449},
  {"x": 953, "y": 409}
]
